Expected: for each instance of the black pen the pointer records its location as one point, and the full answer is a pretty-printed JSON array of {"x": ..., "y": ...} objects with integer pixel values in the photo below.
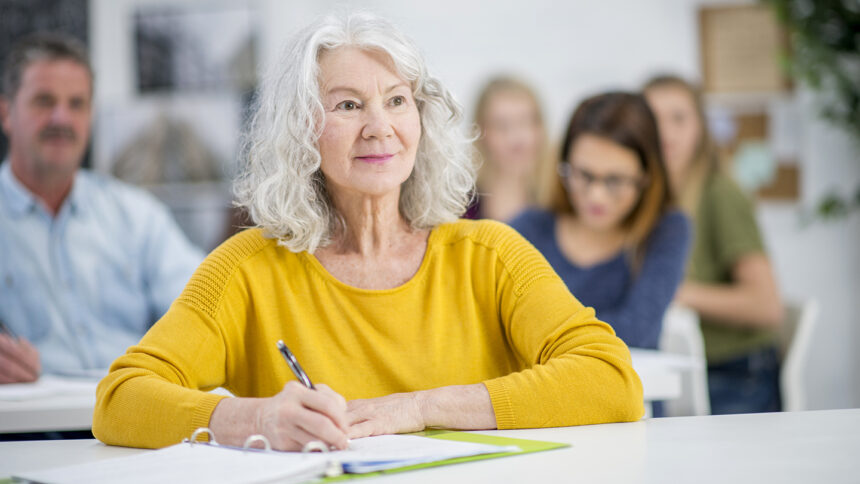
[{"x": 294, "y": 365}]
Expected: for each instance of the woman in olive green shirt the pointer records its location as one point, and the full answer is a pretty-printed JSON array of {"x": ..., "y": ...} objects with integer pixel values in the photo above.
[{"x": 730, "y": 282}]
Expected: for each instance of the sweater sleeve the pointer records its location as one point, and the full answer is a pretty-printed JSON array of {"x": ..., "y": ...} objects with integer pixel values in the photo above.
[
  {"x": 638, "y": 319},
  {"x": 576, "y": 370},
  {"x": 157, "y": 393}
]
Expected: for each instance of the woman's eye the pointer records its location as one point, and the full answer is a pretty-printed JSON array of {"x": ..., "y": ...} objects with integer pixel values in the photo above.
[
  {"x": 613, "y": 182},
  {"x": 347, "y": 105},
  {"x": 398, "y": 101}
]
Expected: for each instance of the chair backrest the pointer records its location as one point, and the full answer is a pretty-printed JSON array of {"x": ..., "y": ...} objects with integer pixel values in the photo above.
[
  {"x": 796, "y": 336},
  {"x": 682, "y": 335}
]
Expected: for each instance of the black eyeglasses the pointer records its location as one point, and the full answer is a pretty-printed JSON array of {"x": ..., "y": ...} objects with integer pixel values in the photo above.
[{"x": 616, "y": 185}]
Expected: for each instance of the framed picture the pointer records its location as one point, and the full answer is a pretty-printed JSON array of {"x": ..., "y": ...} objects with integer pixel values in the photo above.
[{"x": 202, "y": 46}]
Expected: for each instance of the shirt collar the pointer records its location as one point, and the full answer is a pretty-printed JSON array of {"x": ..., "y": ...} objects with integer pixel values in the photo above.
[
  {"x": 21, "y": 201},
  {"x": 18, "y": 198}
]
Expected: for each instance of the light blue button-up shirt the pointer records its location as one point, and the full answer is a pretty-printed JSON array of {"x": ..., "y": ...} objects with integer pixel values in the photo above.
[{"x": 86, "y": 284}]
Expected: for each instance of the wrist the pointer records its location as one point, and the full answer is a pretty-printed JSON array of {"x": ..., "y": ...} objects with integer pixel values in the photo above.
[{"x": 421, "y": 402}]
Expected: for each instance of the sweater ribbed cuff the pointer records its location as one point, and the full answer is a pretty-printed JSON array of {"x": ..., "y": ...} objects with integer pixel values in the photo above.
[
  {"x": 203, "y": 411},
  {"x": 500, "y": 399}
]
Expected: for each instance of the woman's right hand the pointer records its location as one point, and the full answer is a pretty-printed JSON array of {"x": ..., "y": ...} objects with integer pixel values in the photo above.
[{"x": 298, "y": 415}]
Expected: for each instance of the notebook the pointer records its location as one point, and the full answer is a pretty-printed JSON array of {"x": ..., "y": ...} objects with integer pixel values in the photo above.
[{"x": 212, "y": 463}]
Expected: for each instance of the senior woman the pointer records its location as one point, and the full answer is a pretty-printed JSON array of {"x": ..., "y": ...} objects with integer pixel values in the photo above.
[{"x": 356, "y": 174}]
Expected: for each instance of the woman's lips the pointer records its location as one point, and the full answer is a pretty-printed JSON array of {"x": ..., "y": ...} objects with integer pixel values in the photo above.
[
  {"x": 375, "y": 159},
  {"x": 596, "y": 211}
]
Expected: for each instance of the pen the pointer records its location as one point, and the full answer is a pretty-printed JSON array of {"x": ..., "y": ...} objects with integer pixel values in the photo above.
[
  {"x": 294, "y": 365},
  {"x": 7, "y": 330}
]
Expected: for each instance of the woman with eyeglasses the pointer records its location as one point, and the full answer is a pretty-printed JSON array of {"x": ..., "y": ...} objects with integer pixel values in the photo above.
[{"x": 611, "y": 231}]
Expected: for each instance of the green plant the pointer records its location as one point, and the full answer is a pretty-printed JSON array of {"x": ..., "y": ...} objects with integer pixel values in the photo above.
[
  {"x": 825, "y": 41},
  {"x": 825, "y": 54}
]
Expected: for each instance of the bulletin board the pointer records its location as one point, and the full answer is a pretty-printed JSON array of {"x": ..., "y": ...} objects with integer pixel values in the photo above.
[{"x": 741, "y": 49}]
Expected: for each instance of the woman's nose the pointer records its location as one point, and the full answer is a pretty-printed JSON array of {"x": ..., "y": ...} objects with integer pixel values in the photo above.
[{"x": 377, "y": 124}]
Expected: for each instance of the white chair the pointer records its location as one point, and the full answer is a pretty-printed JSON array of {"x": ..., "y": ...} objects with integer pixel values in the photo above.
[
  {"x": 682, "y": 335},
  {"x": 795, "y": 351}
]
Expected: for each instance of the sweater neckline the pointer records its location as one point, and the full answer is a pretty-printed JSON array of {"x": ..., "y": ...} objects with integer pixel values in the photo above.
[
  {"x": 581, "y": 268},
  {"x": 328, "y": 277}
]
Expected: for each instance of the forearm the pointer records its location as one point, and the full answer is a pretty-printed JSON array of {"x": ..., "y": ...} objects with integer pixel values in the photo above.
[
  {"x": 234, "y": 419},
  {"x": 465, "y": 407},
  {"x": 732, "y": 304},
  {"x": 596, "y": 385},
  {"x": 135, "y": 408}
]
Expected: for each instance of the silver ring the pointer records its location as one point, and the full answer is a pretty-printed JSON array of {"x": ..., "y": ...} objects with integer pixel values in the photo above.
[{"x": 257, "y": 438}]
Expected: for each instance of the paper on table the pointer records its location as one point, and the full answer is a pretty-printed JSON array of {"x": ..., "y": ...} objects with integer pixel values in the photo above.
[
  {"x": 46, "y": 386},
  {"x": 216, "y": 464},
  {"x": 372, "y": 454},
  {"x": 184, "y": 463}
]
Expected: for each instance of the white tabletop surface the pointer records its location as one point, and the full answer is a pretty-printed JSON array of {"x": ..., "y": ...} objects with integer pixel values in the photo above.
[
  {"x": 802, "y": 447},
  {"x": 660, "y": 374}
]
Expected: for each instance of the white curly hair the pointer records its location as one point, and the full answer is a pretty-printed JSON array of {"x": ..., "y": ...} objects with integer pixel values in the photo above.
[{"x": 281, "y": 185}]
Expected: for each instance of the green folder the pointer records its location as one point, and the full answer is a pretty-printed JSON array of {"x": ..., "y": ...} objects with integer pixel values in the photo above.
[{"x": 526, "y": 446}]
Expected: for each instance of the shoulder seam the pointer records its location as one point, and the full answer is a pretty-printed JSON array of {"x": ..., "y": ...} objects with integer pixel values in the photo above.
[
  {"x": 519, "y": 264},
  {"x": 205, "y": 289}
]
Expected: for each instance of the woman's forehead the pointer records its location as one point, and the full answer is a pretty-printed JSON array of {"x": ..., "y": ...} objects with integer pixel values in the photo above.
[{"x": 353, "y": 65}]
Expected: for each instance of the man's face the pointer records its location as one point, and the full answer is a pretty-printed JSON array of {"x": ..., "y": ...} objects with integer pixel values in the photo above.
[{"x": 48, "y": 119}]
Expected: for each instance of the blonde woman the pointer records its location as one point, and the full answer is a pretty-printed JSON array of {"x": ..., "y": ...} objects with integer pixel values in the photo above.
[
  {"x": 729, "y": 282},
  {"x": 512, "y": 145},
  {"x": 404, "y": 316}
]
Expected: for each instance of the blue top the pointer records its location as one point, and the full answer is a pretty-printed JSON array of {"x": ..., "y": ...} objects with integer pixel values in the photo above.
[
  {"x": 85, "y": 285},
  {"x": 633, "y": 305}
]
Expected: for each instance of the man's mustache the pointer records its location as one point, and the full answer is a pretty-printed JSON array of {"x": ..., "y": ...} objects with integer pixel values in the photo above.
[{"x": 53, "y": 132}]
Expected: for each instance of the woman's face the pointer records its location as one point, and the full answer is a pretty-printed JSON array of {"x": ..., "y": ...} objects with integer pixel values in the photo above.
[
  {"x": 680, "y": 129},
  {"x": 604, "y": 181},
  {"x": 512, "y": 132},
  {"x": 372, "y": 126}
]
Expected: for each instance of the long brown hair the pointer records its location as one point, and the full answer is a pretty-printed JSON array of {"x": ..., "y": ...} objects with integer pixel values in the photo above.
[
  {"x": 705, "y": 160},
  {"x": 623, "y": 118}
]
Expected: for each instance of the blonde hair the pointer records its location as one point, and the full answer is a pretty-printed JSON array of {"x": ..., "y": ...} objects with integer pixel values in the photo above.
[
  {"x": 508, "y": 84},
  {"x": 705, "y": 160},
  {"x": 281, "y": 185}
]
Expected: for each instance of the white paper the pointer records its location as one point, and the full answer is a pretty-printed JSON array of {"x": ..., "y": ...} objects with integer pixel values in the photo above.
[
  {"x": 185, "y": 463},
  {"x": 47, "y": 386},
  {"x": 371, "y": 454}
]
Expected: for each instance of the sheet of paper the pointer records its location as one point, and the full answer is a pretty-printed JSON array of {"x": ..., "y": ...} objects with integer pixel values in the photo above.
[
  {"x": 47, "y": 386},
  {"x": 371, "y": 454},
  {"x": 184, "y": 463}
]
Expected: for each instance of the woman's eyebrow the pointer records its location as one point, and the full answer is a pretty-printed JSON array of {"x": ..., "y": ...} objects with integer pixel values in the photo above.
[
  {"x": 356, "y": 92},
  {"x": 345, "y": 89}
]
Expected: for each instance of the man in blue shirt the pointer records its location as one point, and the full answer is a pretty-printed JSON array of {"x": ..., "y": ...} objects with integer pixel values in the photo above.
[{"x": 87, "y": 263}]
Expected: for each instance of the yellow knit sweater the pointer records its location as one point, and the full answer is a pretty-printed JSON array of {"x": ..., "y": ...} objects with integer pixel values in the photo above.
[{"x": 484, "y": 306}]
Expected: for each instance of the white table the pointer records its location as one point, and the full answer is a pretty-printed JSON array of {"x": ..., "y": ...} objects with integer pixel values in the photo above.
[
  {"x": 660, "y": 374},
  {"x": 803, "y": 447},
  {"x": 54, "y": 404}
]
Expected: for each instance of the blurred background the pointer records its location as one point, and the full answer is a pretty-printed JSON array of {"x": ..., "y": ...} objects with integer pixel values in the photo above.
[{"x": 175, "y": 79}]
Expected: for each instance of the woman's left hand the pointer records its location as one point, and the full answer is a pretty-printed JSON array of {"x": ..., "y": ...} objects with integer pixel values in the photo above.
[{"x": 392, "y": 414}]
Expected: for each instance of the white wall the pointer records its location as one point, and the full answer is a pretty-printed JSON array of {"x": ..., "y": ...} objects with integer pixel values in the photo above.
[
  {"x": 822, "y": 260},
  {"x": 569, "y": 50}
]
